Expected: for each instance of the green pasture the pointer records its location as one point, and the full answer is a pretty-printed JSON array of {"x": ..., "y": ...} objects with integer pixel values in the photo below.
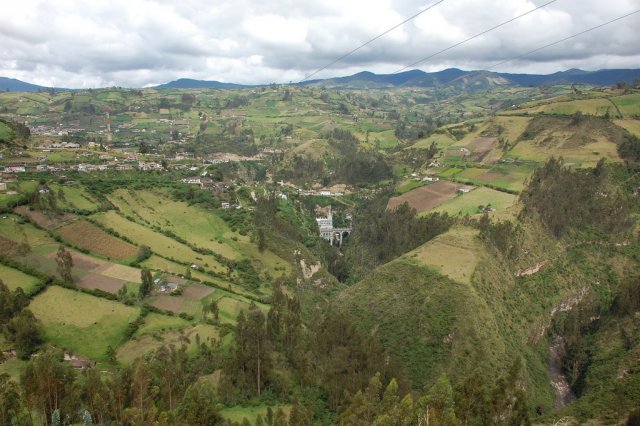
[
  {"x": 629, "y": 105},
  {"x": 251, "y": 412},
  {"x": 81, "y": 323},
  {"x": 14, "y": 278},
  {"x": 75, "y": 197},
  {"x": 6, "y": 133},
  {"x": 468, "y": 203},
  {"x": 631, "y": 125},
  {"x": 507, "y": 176}
]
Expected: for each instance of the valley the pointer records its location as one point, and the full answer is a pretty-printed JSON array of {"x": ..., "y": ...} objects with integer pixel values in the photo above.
[{"x": 169, "y": 236}]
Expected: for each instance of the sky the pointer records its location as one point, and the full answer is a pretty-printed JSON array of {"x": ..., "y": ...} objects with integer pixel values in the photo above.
[{"x": 139, "y": 43}]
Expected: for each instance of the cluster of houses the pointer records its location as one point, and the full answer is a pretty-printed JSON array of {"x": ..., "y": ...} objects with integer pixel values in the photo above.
[
  {"x": 322, "y": 192},
  {"x": 47, "y": 146}
]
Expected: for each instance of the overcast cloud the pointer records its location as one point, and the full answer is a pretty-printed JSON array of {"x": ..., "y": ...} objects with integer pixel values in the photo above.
[{"x": 135, "y": 43}]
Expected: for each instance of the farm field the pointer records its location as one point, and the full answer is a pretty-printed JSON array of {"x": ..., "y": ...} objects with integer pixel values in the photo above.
[
  {"x": 46, "y": 221},
  {"x": 407, "y": 185},
  {"x": 507, "y": 176},
  {"x": 16, "y": 229},
  {"x": 452, "y": 254},
  {"x": 468, "y": 203},
  {"x": 632, "y": 125},
  {"x": 158, "y": 243},
  {"x": 90, "y": 272},
  {"x": 595, "y": 106},
  {"x": 586, "y": 155},
  {"x": 75, "y": 197},
  {"x": 200, "y": 227},
  {"x": 155, "y": 323},
  {"x": 427, "y": 197},
  {"x": 195, "y": 296},
  {"x": 470, "y": 173},
  {"x": 480, "y": 149},
  {"x": 143, "y": 343},
  {"x": 629, "y": 105},
  {"x": 512, "y": 127},
  {"x": 82, "y": 323},
  {"x": 251, "y": 412},
  {"x": 442, "y": 140},
  {"x": 86, "y": 235},
  {"x": 14, "y": 278}
]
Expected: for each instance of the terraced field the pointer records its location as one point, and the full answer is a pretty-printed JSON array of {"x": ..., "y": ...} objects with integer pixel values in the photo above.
[
  {"x": 201, "y": 228},
  {"x": 469, "y": 203},
  {"x": 82, "y": 323},
  {"x": 158, "y": 243},
  {"x": 14, "y": 278},
  {"x": 427, "y": 197},
  {"x": 86, "y": 235}
]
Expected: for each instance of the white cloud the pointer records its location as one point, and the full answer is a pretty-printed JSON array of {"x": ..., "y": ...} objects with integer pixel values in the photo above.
[{"x": 74, "y": 43}]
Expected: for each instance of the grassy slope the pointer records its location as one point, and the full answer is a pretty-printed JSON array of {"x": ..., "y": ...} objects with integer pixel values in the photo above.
[
  {"x": 468, "y": 203},
  {"x": 13, "y": 279},
  {"x": 201, "y": 228},
  {"x": 82, "y": 323},
  {"x": 457, "y": 323},
  {"x": 5, "y": 132},
  {"x": 159, "y": 243}
]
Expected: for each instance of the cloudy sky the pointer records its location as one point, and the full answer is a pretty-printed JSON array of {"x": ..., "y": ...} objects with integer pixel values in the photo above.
[{"x": 135, "y": 43}]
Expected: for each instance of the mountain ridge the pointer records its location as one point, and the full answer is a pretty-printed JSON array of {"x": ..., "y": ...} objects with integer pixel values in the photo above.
[{"x": 412, "y": 78}]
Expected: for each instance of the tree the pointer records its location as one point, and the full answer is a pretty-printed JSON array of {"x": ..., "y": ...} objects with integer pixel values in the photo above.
[
  {"x": 25, "y": 332},
  {"x": 146, "y": 285},
  {"x": 11, "y": 303},
  {"x": 437, "y": 407},
  {"x": 144, "y": 252},
  {"x": 262, "y": 240},
  {"x": 65, "y": 263},
  {"x": 199, "y": 406},
  {"x": 10, "y": 400},
  {"x": 46, "y": 381}
]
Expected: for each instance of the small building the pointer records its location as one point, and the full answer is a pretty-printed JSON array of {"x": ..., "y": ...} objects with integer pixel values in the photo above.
[
  {"x": 3, "y": 186},
  {"x": 225, "y": 205},
  {"x": 79, "y": 362}
]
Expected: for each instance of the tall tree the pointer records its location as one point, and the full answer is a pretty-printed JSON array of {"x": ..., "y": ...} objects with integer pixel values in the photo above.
[
  {"x": 65, "y": 263},
  {"x": 25, "y": 332},
  {"x": 47, "y": 384},
  {"x": 146, "y": 285},
  {"x": 10, "y": 400},
  {"x": 199, "y": 406}
]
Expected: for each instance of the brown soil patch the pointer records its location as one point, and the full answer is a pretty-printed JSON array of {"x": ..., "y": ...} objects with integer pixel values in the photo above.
[
  {"x": 197, "y": 291},
  {"x": 169, "y": 303},
  {"x": 108, "y": 284},
  {"x": 81, "y": 261},
  {"x": 87, "y": 236},
  {"x": 482, "y": 144},
  {"x": 12, "y": 248},
  {"x": 427, "y": 197},
  {"x": 45, "y": 220}
]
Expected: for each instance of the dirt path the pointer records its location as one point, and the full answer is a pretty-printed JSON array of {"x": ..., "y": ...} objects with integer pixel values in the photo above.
[{"x": 564, "y": 394}]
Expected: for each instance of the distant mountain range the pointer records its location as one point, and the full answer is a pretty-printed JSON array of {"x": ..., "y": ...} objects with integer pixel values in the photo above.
[
  {"x": 13, "y": 85},
  {"x": 479, "y": 79},
  {"x": 188, "y": 83},
  {"x": 451, "y": 77}
]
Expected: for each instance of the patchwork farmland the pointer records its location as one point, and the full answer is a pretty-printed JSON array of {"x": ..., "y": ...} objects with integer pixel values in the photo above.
[{"x": 428, "y": 197}]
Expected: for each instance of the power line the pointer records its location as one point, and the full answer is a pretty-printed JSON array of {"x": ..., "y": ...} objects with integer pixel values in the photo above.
[
  {"x": 372, "y": 40},
  {"x": 562, "y": 40},
  {"x": 472, "y": 37}
]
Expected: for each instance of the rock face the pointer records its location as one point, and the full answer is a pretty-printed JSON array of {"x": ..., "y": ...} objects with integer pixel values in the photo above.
[{"x": 564, "y": 394}]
